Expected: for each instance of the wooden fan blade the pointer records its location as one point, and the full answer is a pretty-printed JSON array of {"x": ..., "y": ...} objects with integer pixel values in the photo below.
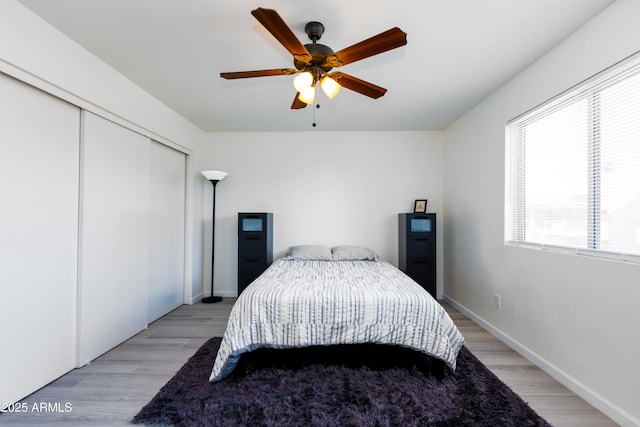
[
  {"x": 383, "y": 42},
  {"x": 270, "y": 19},
  {"x": 297, "y": 104},
  {"x": 258, "y": 73},
  {"x": 358, "y": 85}
]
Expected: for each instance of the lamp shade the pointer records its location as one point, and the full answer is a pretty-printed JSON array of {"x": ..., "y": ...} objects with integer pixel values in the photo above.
[
  {"x": 303, "y": 81},
  {"x": 330, "y": 87},
  {"x": 214, "y": 175},
  {"x": 308, "y": 96}
]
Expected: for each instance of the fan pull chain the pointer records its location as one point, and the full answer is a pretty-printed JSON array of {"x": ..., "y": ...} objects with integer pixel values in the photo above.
[
  {"x": 314, "y": 115},
  {"x": 314, "y": 124}
]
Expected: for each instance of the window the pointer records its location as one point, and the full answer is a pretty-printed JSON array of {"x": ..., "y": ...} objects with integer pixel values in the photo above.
[{"x": 574, "y": 166}]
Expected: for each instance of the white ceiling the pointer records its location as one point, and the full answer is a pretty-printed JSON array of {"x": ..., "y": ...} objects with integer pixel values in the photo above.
[{"x": 458, "y": 52}]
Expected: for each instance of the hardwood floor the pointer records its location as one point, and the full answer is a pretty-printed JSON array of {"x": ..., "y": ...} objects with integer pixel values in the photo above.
[{"x": 113, "y": 388}]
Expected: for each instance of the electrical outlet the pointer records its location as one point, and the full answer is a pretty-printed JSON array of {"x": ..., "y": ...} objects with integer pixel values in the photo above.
[{"x": 497, "y": 302}]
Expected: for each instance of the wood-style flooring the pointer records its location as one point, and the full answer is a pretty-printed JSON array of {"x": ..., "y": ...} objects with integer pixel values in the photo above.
[{"x": 114, "y": 387}]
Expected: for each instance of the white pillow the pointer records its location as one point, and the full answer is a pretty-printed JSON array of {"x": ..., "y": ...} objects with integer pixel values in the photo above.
[
  {"x": 357, "y": 253},
  {"x": 309, "y": 252}
]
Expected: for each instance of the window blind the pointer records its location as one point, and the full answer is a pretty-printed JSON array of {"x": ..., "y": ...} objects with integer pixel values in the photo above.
[{"x": 575, "y": 167}]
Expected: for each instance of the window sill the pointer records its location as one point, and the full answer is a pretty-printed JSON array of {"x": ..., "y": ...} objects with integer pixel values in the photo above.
[{"x": 605, "y": 255}]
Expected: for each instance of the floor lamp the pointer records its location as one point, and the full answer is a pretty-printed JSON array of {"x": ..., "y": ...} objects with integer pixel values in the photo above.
[{"x": 214, "y": 177}]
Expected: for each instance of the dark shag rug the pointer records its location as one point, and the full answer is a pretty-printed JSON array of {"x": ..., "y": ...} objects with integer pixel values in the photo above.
[{"x": 337, "y": 386}]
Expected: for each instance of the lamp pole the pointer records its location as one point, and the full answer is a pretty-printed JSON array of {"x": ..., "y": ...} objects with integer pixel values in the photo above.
[{"x": 214, "y": 177}]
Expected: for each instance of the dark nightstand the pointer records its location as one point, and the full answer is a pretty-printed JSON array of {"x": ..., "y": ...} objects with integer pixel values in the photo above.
[
  {"x": 255, "y": 246},
  {"x": 417, "y": 248}
]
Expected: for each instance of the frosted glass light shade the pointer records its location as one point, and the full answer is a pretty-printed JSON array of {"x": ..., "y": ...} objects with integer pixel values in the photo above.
[
  {"x": 330, "y": 87},
  {"x": 214, "y": 175},
  {"x": 303, "y": 81},
  {"x": 308, "y": 96}
]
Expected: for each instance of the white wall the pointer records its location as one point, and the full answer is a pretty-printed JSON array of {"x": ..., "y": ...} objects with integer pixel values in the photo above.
[
  {"x": 575, "y": 316},
  {"x": 323, "y": 188}
]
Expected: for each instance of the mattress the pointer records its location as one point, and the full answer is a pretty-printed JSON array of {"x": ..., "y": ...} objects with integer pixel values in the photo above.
[{"x": 300, "y": 303}]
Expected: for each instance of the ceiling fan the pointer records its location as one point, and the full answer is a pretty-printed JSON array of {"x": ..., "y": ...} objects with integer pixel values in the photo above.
[{"x": 314, "y": 61}]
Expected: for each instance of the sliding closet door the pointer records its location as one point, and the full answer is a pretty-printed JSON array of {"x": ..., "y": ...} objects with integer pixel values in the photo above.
[
  {"x": 39, "y": 143},
  {"x": 167, "y": 228},
  {"x": 114, "y": 236}
]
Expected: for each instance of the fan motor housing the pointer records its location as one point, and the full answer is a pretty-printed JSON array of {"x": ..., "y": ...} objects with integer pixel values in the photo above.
[{"x": 319, "y": 52}]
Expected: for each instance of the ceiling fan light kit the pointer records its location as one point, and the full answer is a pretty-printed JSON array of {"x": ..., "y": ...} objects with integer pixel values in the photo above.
[
  {"x": 330, "y": 87},
  {"x": 314, "y": 61},
  {"x": 303, "y": 81},
  {"x": 308, "y": 96}
]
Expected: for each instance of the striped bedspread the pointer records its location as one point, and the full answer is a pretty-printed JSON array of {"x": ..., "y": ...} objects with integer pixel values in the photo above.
[{"x": 304, "y": 303}]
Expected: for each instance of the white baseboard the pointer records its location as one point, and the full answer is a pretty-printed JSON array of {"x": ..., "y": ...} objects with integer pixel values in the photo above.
[
  {"x": 192, "y": 299},
  {"x": 604, "y": 405}
]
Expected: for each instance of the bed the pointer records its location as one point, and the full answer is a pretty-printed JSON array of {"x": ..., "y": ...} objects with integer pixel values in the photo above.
[{"x": 320, "y": 296}]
